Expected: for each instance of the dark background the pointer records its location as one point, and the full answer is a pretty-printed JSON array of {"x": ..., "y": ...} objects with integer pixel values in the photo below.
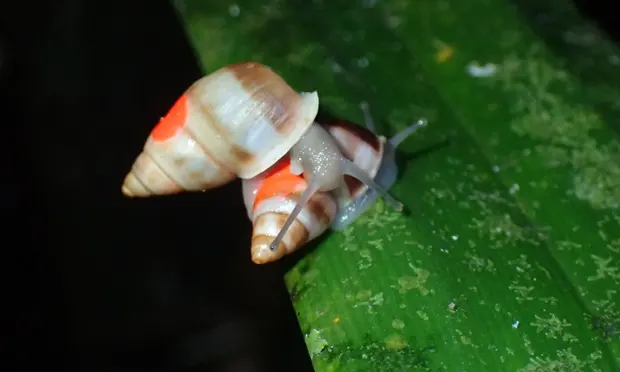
[{"x": 93, "y": 281}]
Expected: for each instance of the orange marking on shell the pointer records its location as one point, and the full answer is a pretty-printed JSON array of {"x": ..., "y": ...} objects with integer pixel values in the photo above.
[
  {"x": 173, "y": 122},
  {"x": 278, "y": 181}
]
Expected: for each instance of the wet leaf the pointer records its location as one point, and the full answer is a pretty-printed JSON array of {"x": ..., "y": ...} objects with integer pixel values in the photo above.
[{"x": 509, "y": 259}]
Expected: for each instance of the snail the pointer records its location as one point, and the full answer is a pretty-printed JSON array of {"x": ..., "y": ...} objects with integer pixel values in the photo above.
[
  {"x": 289, "y": 206},
  {"x": 235, "y": 122}
]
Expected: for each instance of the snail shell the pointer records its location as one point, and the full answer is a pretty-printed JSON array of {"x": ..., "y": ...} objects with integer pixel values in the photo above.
[
  {"x": 270, "y": 198},
  {"x": 234, "y": 122}
]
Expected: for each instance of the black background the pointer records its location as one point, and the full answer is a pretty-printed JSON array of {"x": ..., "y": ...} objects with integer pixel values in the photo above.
[{"x": 93, "y": 281}]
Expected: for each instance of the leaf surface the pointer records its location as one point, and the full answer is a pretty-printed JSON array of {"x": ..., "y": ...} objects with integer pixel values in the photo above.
[{"x": 509, "y": 259}]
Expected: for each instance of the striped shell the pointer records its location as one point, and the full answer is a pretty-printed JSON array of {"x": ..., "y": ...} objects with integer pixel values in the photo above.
[
  {"x": 235, "y": 122},
  {"x": 270, "y": 198}
]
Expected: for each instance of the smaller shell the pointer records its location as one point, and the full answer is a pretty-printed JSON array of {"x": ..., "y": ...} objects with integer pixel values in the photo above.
[{"x": 270, "y": 198}]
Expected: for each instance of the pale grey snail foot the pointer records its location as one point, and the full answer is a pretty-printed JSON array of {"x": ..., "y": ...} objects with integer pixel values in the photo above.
[{"x": 385, "y": 178}]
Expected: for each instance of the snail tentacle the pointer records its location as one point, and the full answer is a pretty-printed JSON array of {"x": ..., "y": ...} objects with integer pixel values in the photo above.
[{"x": 385, "y": 177}]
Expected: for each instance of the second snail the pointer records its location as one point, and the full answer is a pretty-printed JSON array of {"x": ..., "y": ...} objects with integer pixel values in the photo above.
[
  {"x": 286, "y": 213},
  {"x": 245, "y": 121}
]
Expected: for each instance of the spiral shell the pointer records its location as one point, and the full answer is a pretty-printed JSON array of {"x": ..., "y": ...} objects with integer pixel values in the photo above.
[
  {"x": 270, "y": 198},
  {"x": 235, "y": 122}
]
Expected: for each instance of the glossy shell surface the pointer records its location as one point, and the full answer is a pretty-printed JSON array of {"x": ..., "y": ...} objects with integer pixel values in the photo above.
[{"x": 234, "y": 122}]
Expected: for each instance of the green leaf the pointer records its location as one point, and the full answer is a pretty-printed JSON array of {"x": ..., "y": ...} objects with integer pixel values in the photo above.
[{"x": 510, "y": 257}]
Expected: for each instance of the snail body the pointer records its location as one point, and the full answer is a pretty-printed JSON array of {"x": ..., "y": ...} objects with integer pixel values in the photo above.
[
  {"x": 235, "y": 122},
  {"x": 375, "y": 154},
  {"x": 337, "y": 170}
]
